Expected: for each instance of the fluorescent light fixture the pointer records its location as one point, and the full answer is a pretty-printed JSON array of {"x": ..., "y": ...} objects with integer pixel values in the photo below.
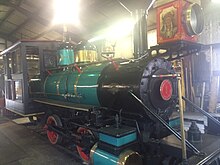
[
  {"x": 215, "y": 1},
  {"x": 119, "y": 30},
  {"x": 66, "y": 12}
]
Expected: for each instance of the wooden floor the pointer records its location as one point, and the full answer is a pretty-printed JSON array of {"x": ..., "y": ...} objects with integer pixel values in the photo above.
[{"x": 20, "y": 145}]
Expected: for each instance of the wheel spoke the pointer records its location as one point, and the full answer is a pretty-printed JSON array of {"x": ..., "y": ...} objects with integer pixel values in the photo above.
[
  {"x": 53, "y": 137},
  {"x": 84, "y": 156}
]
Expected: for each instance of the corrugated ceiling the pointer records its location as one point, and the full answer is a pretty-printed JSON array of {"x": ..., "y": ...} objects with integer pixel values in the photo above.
[{"x": 31, "y": 19}]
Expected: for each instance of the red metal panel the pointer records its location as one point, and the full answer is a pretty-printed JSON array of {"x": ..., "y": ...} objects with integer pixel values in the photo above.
[{"x": 170, "y": 22}]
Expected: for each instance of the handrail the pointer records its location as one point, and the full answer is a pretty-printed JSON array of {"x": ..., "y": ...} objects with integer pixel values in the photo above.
[
  {"x": 210, "y": 157},
  {"x": 164, "y": 123},
  {"x": 202, "y": 111}
]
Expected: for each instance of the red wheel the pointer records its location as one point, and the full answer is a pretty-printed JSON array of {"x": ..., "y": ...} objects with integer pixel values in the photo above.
[
  {"x": 53, "y": 137},
  {"x": 84, "y": 156}
]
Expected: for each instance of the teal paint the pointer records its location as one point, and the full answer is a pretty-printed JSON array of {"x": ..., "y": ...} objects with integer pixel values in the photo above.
[
  {"x": 55, "y": 85},
  {"x": 118, "y": 141},
  {"x": 174, "y": 122},
  {"x": 73, "y": 86},
  {"x": 66, "y": 57},
  {"x": 101, "y": 157},
  {"x": 87, "y": 86}
]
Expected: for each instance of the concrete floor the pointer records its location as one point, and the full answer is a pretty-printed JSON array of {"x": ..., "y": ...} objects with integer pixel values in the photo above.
[
  {"x": 200, "y": 119},
  {"x": 22, "y": 146}
]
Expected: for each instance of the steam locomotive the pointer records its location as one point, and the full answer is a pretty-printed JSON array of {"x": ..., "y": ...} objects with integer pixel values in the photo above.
[
  {"x": 116, "y": 111},
  {"x": 92, "y": 104},
  {"x": 113, "y": 111},
  {"x": 99, "y": 93},
  {"x": 97, "y": 101}
]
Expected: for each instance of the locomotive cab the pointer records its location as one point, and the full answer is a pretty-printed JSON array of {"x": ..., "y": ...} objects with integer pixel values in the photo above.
[{"x": 25, "y": 62}]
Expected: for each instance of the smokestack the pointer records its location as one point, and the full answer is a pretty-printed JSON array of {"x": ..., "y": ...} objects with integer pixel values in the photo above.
[{"x": 140, "y": 33}]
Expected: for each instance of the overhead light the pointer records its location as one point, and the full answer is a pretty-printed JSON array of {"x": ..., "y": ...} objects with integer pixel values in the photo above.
[
  {"x": 97, "y": 38},
  {"x": 215, "y": 1},
  {"x": 118, "y": 30},
  {"x": 66, "y": 12}
]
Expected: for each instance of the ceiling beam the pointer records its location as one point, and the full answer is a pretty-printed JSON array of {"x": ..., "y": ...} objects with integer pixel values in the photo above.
[
  {"x": 74, "y": 41},
  {"x": 25, "y": 12},
  {"x": 9, "y": 13},
  {"x": 18, "y": 27},
  {"x": 42, "y": 34},
  {"x": 29, "y": 19},
  {"x": 35, "y": 17},
  {"x": 5, "y": 36}
]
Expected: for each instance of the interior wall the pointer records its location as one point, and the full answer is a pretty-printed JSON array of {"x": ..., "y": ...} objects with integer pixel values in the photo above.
[
  {"x": 211, "y": 32},
  {"x": 123, "y": 47},
  {"x": 152, "y": 38},
  {"x": 4, "y": 44}
]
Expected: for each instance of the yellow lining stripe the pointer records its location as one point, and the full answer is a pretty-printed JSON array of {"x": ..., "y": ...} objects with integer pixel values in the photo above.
[
  {"x": 75, "y": 85},
  {"x": 63, "y": 106}
]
